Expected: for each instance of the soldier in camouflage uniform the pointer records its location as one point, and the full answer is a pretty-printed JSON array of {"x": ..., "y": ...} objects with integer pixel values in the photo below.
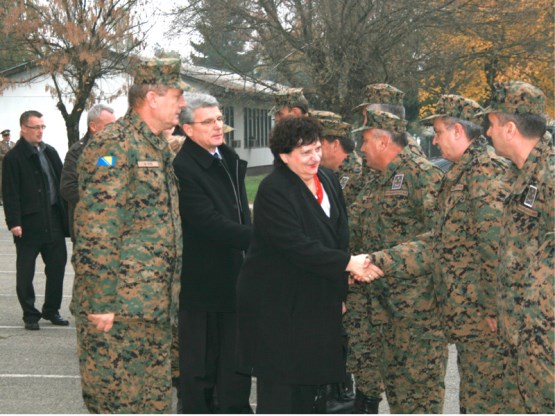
[
  {"x": 337, "y": 144},
  {"x": 365, "y": 347},
  {"x": 461, "y": 251},
  {"x": 394, "y": 208},
  {"x": 289, "y": 103},
  {"x": 525, "y": 295},
  {"x": 127, "y": 255}
]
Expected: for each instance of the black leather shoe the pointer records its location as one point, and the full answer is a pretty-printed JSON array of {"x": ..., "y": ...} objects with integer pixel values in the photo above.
[
  {"x": 32, "y": 326},
  {"x": 56, "y": 319}
]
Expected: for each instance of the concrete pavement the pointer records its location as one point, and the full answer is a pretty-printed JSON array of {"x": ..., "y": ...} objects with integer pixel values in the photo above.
[{"x": 39, "y": 371}]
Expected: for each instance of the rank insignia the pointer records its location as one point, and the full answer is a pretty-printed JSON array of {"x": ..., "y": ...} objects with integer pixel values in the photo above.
[
  {"x": 397, "y": 182},
  {"x": 106, "y": 161},
  {"x": 531, "y": 196},
  {"x": 343, "y": 181}
]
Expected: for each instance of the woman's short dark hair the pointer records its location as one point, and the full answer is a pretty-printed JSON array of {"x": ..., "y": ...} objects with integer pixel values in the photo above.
[{"x": 293, "y": 132}]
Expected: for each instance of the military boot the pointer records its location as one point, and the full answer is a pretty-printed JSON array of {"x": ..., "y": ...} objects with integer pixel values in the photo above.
[{"x": 365, "y": 404}]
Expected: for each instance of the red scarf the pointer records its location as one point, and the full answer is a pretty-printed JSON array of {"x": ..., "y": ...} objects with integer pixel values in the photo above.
[{"x": 319, "y": 190}]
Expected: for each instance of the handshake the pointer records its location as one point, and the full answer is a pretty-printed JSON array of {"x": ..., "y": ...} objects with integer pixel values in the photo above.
[{"x": 362, "y": 269}]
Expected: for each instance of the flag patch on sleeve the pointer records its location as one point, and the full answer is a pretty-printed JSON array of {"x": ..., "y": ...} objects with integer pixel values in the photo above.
[{"x": 106, "y": 161}]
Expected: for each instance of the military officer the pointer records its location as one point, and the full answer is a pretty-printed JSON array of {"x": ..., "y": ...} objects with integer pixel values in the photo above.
[
  {"x": 396, "y": 207},
  {"x": 517, "y": 126},
  {"x": 289, "y": 102},
  {"x": 127, "y": 255},
  {"x": 461, "y": 250},
  {"x": 5, "y": 145}
]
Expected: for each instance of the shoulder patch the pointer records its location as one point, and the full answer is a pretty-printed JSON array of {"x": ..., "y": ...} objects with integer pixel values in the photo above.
[
  {"x": 343, "y": 181},
  {"x": 106, "y": 161}
]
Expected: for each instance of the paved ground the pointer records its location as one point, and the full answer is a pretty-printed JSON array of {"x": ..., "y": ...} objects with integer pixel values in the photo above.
[{"x": 38, "y": 369}]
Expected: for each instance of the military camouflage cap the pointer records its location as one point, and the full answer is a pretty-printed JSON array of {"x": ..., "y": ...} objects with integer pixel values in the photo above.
[
  {"x": 450, "y": 105},
  {"x": 161, "y": 72},
  {"x": 331, "y": 123},
  {"x": 383, "y": 120},
  {"x": 291, "y": 97},
  {"x": 381, "y": 94},
  {"x": 5, "y": 132},
  {"x": 516, "y": 97}
]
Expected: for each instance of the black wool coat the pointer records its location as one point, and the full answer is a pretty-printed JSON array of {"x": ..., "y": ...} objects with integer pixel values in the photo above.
[
  {"x": 25, "y": 190},
  {"x": 293, "y": 282},
  {"x": 216, "y": 226}
]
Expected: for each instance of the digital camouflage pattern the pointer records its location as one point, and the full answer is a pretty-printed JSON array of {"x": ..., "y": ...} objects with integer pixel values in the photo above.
[
  {"x": 377, "y": 119},
  {"x": 353, "y": 174},
  {"x": 127, "y": 255},
  {"x": 517, "y": 97},
  {"x": 122, "y": 370},
  {"x": 525, "y": 296},
  {"x": 456, "y": 106},
  {"x": 166, "y": 71},
  {"x": 382, "y": 94},
  {"x": 535, "y": 358},
  {"x": 396, "y": 207},
  {"x": 332, "y": 126},
  {"x": 291, "y": 97},
  {"x": 461, "y": 252}
]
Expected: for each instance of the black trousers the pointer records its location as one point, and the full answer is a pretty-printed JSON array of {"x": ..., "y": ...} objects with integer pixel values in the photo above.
[
  {"x": 54, "y": 255},
  {"x": 276, "y": 398},
  {"x": 208, "y": 380}
]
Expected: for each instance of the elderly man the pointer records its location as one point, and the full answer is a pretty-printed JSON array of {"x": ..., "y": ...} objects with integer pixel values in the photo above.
[
  {"x": 216, "y": 234},
  {"x": 394, "y": 208},
  {"x": 97, "y": 118},
  {"x": 289, "y": 103},
  {"x": 355, "y": 175},
  {"x": 461, "y": 251},
  {"x": 517, "y": 126},
  {"x": 127, "y": 253}
]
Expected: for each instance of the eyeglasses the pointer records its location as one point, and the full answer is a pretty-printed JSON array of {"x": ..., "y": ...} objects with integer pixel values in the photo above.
[
  {"x": 36, "y": 127},
  {"x": 209, "y": 122}
]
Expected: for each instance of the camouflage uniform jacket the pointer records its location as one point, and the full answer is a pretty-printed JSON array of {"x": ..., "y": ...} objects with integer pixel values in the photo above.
[
  {"x": 396, "y": 207},
  {"x": 350, "y": 176},
  {"x": 127, "y": 257},
  {"x": 526, "y": 244},
  {"x": 5, "y": 148},
  {"x": 462, "y": 248}
]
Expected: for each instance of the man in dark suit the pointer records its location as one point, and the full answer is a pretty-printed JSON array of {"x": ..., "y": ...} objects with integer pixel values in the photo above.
[
  {"x": 216, "y": 234},
  {"x": 36, "y": 216}
]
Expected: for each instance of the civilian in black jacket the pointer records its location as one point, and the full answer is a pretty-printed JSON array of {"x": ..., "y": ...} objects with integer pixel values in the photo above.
[
  {"x": 216, "y": 233},
  {"x": 36, "y": 216},
  {"x": 294, "y": 279}
]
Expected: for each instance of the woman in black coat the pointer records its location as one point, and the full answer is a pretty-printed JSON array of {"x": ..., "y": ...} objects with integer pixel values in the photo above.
[{"x": 293, "y": 282}]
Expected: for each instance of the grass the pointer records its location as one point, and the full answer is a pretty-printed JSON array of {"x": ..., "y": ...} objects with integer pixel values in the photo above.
[{"x": 251, "y": 183}]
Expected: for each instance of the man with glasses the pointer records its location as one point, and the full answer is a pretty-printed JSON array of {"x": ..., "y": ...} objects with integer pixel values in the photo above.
[
  {"x": 5, "y": 146},
  {"x": 216, "y": 234},
  {"x": 36, "y": 216}
]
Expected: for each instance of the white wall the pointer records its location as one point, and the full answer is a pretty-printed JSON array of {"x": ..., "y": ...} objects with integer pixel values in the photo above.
[{"x": 16, "y": 100}]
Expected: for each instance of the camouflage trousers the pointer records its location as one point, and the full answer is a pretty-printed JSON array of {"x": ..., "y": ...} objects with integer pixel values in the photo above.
[
  {"x": 125, "y": 370},
  {"x": 480, "y": 365},
  {"x": 528, "y": 380},
  {"x": 364, "y": 345},
  {"x": 413, "y": 366},
  {"x": 175, "y": 352}
]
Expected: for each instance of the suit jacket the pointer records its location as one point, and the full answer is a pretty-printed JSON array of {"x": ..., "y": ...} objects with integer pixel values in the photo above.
[
  {"x": 25, "y": 190},
  {"x": 216, "y": 226},
  {"x": 293, "y": 282}
]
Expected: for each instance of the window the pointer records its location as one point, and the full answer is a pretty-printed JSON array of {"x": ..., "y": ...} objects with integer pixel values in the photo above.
[
  {"x": 229, "y": 118},
  {"x": 257, "y": 127}
]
